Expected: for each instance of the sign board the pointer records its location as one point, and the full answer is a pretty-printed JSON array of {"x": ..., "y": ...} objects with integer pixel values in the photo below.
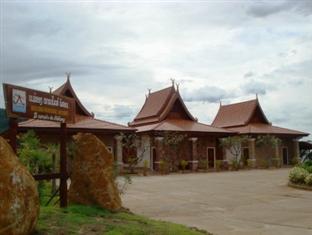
[{"x": 29, "y": 103}]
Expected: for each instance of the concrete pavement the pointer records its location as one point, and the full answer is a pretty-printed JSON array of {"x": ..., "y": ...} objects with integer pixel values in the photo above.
[{"x": 243, "y": 202}]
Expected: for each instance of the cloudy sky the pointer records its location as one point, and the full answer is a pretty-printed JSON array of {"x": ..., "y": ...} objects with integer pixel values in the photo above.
[{"x": 116, "y": 50}]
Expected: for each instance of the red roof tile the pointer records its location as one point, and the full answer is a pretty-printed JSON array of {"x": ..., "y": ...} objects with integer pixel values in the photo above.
[
  {"x": 262, "y": 128},
  {"x": 67, "y": 90},
  {"x": 237, "y": 114},
  {"x": 157, "y": 105},
  {"x": 182, "y": 125},
  {"x": 86, "y": 123}
]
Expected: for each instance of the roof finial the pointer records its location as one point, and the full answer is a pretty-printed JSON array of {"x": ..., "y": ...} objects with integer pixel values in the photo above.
[
  {"x": 68, "y": 75},
  {"x": 177, "y": 84},
  {"x": 149, "y": 91},
  {"x": 172, "y": 81},
  {"x": 256, "y": 96},
  {"x": 50, "y": 89},
  {"x": 220, "y": 102}
]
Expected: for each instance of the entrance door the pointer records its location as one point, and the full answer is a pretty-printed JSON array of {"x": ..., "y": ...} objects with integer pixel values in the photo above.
[
  {"x": 211, "y": 155},
  {"x": 245, "y": 156},
  {"x": 285, "y": 156},
  {"x": 154, "y": 156}
]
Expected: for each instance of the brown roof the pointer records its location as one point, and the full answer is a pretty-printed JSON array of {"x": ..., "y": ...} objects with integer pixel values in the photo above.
[
  {"x": 83, "y": 124},
  {"x": 67, "y": 90},
  {"x": 262, "y": 128},
  {"x": 83, "y": 119},
  {"x": 157, "y": 106},
  {"x": 183, "y": 126},
  {"x": 238, "y": 114}
]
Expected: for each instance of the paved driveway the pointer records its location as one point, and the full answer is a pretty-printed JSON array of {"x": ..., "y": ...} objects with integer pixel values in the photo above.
[{"x": 244, "y": 202}]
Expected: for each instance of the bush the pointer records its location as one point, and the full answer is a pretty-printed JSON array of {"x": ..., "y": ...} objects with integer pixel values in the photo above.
[
  {"x": 276, "y": 162},
  {"x": 183, "y": 164},
  {"x": 308, "y": 180},
  {"x": 307, "y": 166},
  {"x": 219, "y": 164},
  {"x": 297, "y": 175},
  {"x": 202, "y": 163}
]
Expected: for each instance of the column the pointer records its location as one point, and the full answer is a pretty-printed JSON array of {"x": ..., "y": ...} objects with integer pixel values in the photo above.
[
  {"x": 118, "y": 139},
  {"x": 159, "y": 151},
  {"x": 194, "y": 157},
  {"x": 296, "y": 154},
  {"x": 252, "y": 152},
  {"x": 276, "y": 161}
]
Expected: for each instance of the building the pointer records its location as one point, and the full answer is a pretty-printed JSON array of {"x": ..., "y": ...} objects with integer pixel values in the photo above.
[
  {"x": 85, "y": 121},
  {"x": 164, "y": 112},
  {"x": 248, "y": 118}
]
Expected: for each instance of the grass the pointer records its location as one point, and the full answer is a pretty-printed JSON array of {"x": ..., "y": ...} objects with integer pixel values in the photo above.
[{"x": 79, "y": 219}]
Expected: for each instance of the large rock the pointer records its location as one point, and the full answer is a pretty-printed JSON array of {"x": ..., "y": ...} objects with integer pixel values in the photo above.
[
  {"x": 19, "y": 200},
  {"x": 92, "y": 181}
]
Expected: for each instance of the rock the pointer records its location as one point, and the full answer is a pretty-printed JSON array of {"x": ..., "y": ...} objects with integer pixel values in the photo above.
[
  {"x": 92, "y": 181},
  {"x": 19, "y": 199}
]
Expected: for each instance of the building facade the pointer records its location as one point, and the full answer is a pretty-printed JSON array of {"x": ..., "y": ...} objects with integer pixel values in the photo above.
[
  {"x": 169, "y": 133},
  {"x": 248, "y": 119}
]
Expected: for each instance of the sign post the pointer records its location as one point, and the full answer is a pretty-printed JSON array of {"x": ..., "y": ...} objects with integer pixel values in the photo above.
[{"x": 22, "y": 102}]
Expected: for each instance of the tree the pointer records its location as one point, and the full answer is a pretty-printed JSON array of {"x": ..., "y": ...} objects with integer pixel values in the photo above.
[
  {"x": 130, "y": 144},
  {"x": 33, "y": 155},
  {"x": 268, "y": 142},
  {"x": 234, "y": 145},
  {"x": 172, "y": 148}
]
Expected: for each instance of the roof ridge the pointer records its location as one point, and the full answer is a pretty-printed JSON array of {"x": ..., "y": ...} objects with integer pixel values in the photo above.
[{"x": 238, "y": 103}]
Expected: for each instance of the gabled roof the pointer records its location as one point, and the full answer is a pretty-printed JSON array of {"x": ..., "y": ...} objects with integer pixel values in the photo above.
[
  {"x": 67, "y": 90},
  {"x": 248, "y": 118},
  {"x": 84, "y": 124},
  {"x": 261, "y": 128},
  {"x": 239, "y": 114},
  {"x": 158, "y": 105},
  {"x": 183, "y": 126}
]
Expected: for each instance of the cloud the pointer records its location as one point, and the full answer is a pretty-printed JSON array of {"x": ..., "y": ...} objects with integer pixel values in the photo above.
[
  {"x": 263, "y": 9},
  {"x": 115, "y": 51},
  {"x": 255, "y": 87},
  {"x": 210, "y": 94},
  {"x": 249, "y": 74}
]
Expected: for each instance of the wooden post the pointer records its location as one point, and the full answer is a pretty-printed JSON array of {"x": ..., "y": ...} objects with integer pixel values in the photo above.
[
  {"x": 13, "y": 133},
  {"x": 63, "y": 167}
]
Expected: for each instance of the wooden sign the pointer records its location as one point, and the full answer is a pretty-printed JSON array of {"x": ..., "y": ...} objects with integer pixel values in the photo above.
[{"x": 29, "y": 103}]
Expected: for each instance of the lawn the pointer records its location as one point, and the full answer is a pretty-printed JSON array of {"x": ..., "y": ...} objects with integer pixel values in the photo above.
[{"x": 78, "y": 219}]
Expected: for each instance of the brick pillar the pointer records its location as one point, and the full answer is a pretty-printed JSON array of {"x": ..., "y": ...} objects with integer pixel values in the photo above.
[
  {"x": 296, "y": 154},
  {"x": 118, "y": 139},
  {"x": 252, "y": 151},
  {"x": 159, "y": 150},
  {"x": 194, "y": 157}
]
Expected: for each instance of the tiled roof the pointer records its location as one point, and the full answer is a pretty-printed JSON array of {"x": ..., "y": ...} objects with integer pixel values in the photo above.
[
  {"x": 67, "y": 87},
  {"x": 262, "y": 128},
  {"x": 237, "y": 114},
  {"x": 157, "y": 105},
  {"x": 183, "y": 126},
  {"x": 85, "y": 123}
]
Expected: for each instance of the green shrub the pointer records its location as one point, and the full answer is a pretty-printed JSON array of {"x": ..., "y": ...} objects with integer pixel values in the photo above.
[
  {"x": 297, "y": 175},
  {"x": 203, "y": 163},
  {"x": 183, "y": 164},
  {"x": 307, "y": 166},
  {"x": 251, "y": 163},
  {"x": 219, "y": 164},
  {"x": 276, "y": 162},
  {"x": 308, "y": 180}
]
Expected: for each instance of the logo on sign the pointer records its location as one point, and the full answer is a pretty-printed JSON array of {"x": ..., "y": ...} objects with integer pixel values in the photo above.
[{"x": 19, "y": 101}]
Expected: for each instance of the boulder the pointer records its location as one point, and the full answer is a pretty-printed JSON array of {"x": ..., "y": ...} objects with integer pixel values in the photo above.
[
  {"x": 19, "y": 199},
  {"x": 92, "y": 180}
]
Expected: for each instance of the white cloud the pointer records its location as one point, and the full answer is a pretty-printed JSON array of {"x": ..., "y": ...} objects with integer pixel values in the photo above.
[{"x": 116, "y": 51}]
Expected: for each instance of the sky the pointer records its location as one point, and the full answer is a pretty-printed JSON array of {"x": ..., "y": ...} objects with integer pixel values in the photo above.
[{"x": 117, "y": 50}]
